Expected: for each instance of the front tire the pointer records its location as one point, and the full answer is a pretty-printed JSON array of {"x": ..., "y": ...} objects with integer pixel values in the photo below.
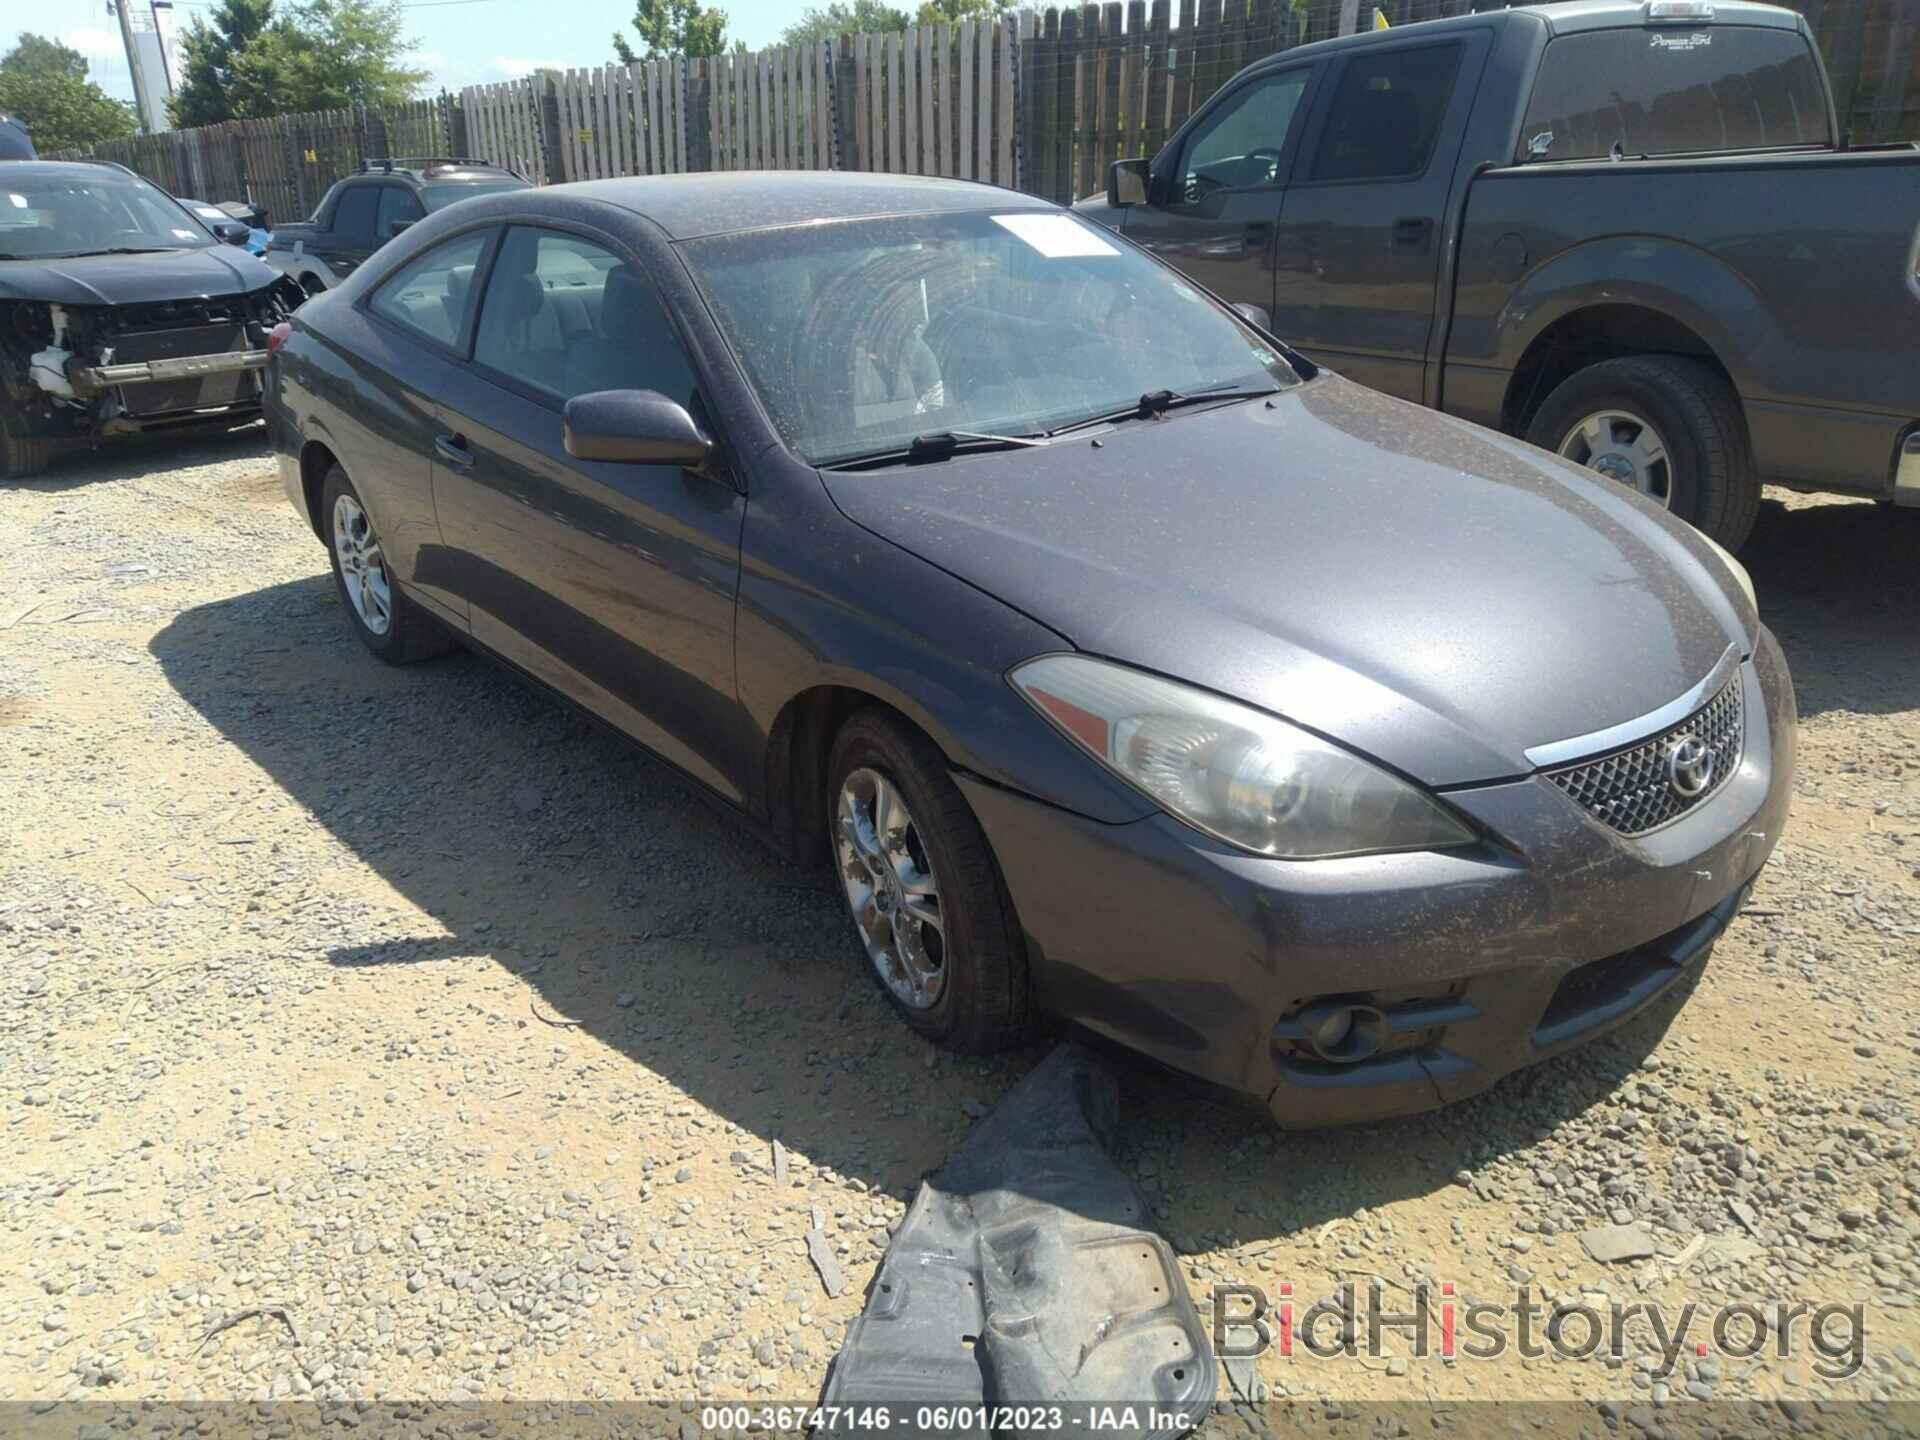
[
  {"x": 932, "y": 916},
  {"x": 1666, "y": 426},
  {"x": 387, "y": 622},
  {"x": 22, "y": 457}
]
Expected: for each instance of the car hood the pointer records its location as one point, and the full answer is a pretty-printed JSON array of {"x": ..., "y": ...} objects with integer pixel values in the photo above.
[
  {"x": 1433, "y": 594},
  {"x": 135, "y": 279}
]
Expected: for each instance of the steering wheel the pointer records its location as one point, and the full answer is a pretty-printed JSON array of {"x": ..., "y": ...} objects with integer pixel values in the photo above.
[{"x": 1257, "y": 167}]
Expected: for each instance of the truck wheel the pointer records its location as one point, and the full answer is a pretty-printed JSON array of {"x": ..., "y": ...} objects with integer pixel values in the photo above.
[
  {"x": 21, "y": 456},
  {"x": 1666, "y": 426}
]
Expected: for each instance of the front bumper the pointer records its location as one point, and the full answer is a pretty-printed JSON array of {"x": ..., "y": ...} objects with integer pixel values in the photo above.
[
  {"x": 159, "y": 372},
  {"x": 1482, "y": 960}
]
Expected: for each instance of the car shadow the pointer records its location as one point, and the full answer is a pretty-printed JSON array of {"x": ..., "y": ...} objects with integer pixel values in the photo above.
[
  {"x": 1839, "y": 583},
  {"x": 640, "y": 913},
  {"x": 659, "y": 925}
]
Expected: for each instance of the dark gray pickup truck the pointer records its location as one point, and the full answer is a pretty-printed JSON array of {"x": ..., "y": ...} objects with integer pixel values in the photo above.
[{"x": 1627, "y": 232}]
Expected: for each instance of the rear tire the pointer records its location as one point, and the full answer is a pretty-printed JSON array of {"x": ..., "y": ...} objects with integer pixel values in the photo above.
[
  {"x": 1711, "y": 480},
  {"x": 387, "y": 622},
  {"x": 975, "y": 996}
]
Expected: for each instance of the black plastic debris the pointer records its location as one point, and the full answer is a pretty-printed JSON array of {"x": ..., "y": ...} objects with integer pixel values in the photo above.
[{"x": 1022, "y": 1276}]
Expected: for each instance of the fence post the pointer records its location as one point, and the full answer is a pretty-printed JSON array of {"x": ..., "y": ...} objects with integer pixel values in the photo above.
[
  {"x": 454, "y": 118},
  {"x": 552, "y": 142},
  {"x": 373, "y": 136},
  {"x": 846, "y": 150}
]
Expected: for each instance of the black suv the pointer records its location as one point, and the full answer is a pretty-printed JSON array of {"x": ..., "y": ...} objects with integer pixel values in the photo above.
[{"x": 364, "y": 211}]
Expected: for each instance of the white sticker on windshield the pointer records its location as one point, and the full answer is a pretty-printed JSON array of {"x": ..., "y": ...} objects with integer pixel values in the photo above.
[
  {"x": 180, "y": 234},
  {"x": 19, "y": 201},
  {"x": 1058, "y": 237}
]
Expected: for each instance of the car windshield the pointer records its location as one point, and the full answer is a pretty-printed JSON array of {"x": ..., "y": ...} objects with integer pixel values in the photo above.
[
  {"x": 438, "y": 197},
  {"x": 44, "y": 216},
  {"x": 860, "y": 335}
]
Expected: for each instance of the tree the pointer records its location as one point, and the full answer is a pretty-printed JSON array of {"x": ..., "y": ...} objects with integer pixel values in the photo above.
[
  {"x": 839, "y": 17},
  {"x": 326, "y": 55},
  {"x": 207, "y": 53},
  {"x": 946, "y": 12},
  {"x": 44, "y": 85},
  {"x": 674, "y": 27}
]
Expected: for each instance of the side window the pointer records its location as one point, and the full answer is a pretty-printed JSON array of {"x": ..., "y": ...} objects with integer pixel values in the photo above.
[
  {"x": 396, "y": 203},
  {"x": 1386, "y": 114},
  {"x": 353, "y": 216},
  {"x": 432, "y": 293},
  {"x": 570, "y": 317},
  {"x": 1240, "y": 143}
]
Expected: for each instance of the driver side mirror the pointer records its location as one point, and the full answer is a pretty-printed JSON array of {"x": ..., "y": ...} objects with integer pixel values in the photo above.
[
  {"x": 231, "y": 232},
  {"x": 394, "y": 227},
  {"x": 1127, "y": 183},
  {"x": 634, "y": 427}
]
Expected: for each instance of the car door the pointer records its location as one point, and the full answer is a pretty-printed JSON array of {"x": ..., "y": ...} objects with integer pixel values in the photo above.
[
  {"x": 387, "y": 404},
  {"x": 612, "y": 583},
  {"x": 1358, "y": 251},
  {"x": 1223, "y": 190},
  {"x": 347, "y": 237}
]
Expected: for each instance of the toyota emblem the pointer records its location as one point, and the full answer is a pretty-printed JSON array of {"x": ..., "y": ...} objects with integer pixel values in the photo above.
[{"x": 1689, "y": 766}]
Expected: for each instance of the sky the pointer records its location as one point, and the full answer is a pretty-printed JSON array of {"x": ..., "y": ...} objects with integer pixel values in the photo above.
[{"x": 460, "y": 42}]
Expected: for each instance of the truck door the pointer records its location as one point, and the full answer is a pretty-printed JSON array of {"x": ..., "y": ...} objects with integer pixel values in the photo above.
[
  {"x": 1222, "y": 201},
  {"x": 1358, "y": 249}
]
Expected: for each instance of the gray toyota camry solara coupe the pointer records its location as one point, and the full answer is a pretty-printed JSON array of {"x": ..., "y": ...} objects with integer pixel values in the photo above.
[{"x": 1120, "y": 666}]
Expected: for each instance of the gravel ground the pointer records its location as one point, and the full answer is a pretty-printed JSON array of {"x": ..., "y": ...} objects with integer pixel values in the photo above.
[{"x": 456, "y": 1033}]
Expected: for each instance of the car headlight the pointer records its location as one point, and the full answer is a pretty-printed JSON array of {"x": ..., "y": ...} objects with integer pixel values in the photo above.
[
  {"x": 1237, "y": 773},
  {"x": 1740, "y": 575}
]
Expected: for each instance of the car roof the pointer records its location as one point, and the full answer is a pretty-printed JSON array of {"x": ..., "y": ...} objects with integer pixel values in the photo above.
[
  {"x": 713, "y": 203},
  {"x": 1559, "y": 18},
  {"x": 71, "y": 169}
]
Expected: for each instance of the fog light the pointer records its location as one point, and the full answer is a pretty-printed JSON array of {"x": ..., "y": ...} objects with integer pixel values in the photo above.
[
  {"x": 1328, "y": 1034},
  {"x": 1343, "y": 1031}
]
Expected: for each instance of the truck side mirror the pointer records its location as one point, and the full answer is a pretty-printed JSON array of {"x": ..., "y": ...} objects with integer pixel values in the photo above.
[
  {"x": 1127, "y": 183},
  {"x": 394, "y": 227}
]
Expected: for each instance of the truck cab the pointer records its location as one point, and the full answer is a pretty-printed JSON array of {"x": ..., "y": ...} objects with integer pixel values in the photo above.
[{"x": 1475, "y": 213}]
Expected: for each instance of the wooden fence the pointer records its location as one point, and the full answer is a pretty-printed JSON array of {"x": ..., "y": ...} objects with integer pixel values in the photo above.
[{"x": 1039, "y": 101}]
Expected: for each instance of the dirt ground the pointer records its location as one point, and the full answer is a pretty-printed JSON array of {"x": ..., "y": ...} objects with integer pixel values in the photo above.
[{"x": 417, "y": 1006}]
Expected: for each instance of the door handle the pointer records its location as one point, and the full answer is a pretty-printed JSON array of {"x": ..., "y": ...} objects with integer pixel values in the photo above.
[
  {"x": 453, "y": 451},
  {"x": 1258, "y": 233},
  {"x": 1413, "y": 233}
]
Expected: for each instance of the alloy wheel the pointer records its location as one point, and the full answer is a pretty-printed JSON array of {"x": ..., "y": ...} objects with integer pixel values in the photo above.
[
  {"x": 1625, "y": 448},
  {"x": 363, "y": 567},
  {"x": 891, "y": 889}
]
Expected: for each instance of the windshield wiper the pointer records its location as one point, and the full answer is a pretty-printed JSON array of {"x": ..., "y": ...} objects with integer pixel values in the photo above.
[
  {"x": 1156, "y": 403},
  {"x": 936, "y": 445}
]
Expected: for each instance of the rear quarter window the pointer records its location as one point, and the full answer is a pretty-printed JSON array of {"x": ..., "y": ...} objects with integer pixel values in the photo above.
[{"x": 1669, "y": 89}]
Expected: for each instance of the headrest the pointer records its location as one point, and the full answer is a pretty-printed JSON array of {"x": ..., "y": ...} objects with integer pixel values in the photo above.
[{"x": 624, "y": 307}]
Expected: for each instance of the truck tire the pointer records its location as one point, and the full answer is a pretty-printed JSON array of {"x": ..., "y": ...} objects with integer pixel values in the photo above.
[
  {"x": 21, "y": 456},
  {"x": 1665, "y": 425}
]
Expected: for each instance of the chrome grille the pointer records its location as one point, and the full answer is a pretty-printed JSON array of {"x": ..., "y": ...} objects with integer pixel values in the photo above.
[{"x": 1632, "y": 790}]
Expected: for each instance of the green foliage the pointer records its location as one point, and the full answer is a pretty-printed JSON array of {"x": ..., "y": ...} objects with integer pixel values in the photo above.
[
  {"x": 44, "y": 85},
  {"x": 674, "y": 27},
  {"x": 327, "y": 54},
  {"x": 207, "y": 52},
  {"x": 945, "y": 12},
  {"x": 843, "y": 17}
]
